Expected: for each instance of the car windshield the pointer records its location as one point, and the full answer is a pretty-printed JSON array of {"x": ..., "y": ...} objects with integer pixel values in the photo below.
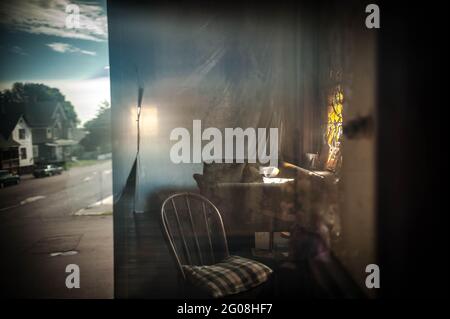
[{"x": 3, "y": 173}]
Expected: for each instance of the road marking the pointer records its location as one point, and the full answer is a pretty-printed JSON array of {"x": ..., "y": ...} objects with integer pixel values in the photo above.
[
  {"x": 64, "y": 253},
  {"x": 87, "y": 179},
  {"x": 107, "y": 172},
  {"x": 24, "y": 202},
  {"x": 9, "y": 207},
  {"x": 31, "y": 199}
]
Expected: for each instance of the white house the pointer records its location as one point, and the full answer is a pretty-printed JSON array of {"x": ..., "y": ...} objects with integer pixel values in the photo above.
[
  {"x": 52, "y": 131},
  {"x": 17, "y": 146},
  {"x": 22, "y": 135}
]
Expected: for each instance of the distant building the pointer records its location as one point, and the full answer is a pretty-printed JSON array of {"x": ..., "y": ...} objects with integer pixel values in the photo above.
[
  {"x": 51, "y": 131},
  {"x": 16, "y": 148},
  {"x": 78, "y": 134}
]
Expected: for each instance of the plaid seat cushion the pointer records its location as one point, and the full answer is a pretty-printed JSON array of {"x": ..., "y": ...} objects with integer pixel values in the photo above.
[{"x": 232, "y": 275}]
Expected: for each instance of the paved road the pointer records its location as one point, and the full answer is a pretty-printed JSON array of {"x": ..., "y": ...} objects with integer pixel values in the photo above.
[{"x": 37, "y": 219}]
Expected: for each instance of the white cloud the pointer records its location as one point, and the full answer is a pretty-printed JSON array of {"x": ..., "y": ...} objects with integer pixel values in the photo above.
[
  {"x": 48, "y": 17},
  {"x": 17, "y": 50},
  {"x": 65, "y": 47}
]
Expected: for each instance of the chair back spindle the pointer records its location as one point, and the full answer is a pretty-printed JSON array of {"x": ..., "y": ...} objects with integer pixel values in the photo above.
[{"x": 194, "y": 229}]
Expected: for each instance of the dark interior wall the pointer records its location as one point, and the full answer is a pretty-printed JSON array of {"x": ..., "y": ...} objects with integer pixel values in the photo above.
[
  {"x": 412, "y": 220},
  {"x": 353, "y": 50}
]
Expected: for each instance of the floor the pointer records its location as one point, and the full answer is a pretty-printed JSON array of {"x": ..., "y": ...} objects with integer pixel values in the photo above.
[{"x": 144, "y": 267}]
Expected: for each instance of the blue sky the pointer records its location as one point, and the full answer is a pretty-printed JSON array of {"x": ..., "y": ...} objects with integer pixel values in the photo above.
[{"x": 37, "y": 46}]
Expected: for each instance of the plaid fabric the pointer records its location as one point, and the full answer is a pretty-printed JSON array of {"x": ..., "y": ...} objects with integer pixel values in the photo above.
[{"x": 231, "y": 276}]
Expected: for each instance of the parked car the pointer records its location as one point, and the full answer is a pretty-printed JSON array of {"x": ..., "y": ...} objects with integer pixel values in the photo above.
[
  {"x": 47, "y": 170},
  {"x": 6, "y": 178}
]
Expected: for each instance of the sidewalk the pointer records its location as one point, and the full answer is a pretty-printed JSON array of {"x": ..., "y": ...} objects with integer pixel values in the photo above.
[{"x": 100, "y": 208}]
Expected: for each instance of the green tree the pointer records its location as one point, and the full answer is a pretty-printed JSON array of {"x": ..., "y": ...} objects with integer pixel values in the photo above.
[
  {"x": 36, "y": 92},
  {"x": 99, "y": 130}
]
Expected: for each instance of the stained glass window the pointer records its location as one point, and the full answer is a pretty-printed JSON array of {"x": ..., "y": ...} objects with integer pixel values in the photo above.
[{"x": 334, "y": 126}]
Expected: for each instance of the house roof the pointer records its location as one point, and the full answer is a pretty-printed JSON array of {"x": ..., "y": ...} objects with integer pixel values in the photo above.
[
  {"x": 78, "y": 134},
  {"x": 41, "y": 113},
  {"x": 36, "y": 114},
  {"x": 8, "y": 122}
]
